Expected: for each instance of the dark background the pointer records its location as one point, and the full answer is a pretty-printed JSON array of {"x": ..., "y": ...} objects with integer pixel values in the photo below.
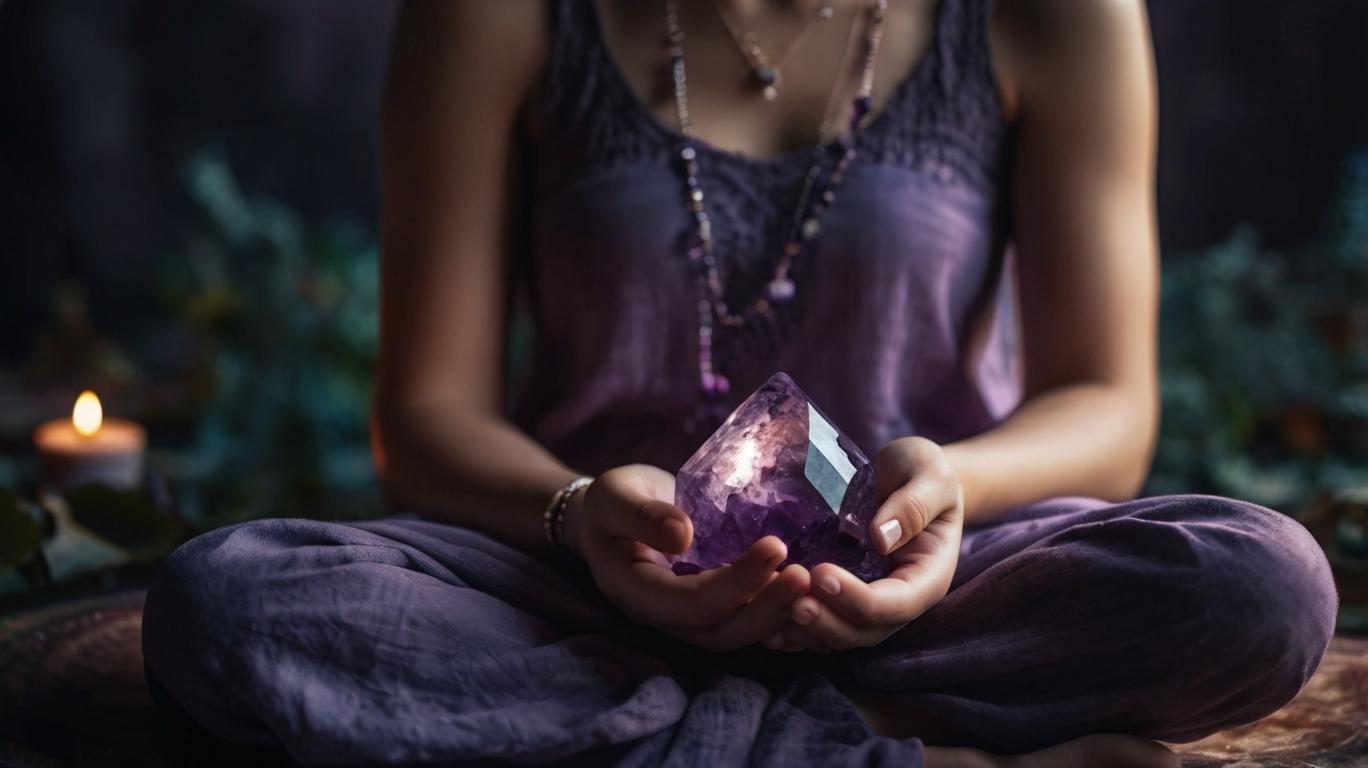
[
  {"x": 104, "y": 101},
  {"x": 179, "y": 181}
]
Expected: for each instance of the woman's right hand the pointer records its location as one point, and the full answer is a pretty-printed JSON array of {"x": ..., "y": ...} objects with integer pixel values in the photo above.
[{"x": 625, "y": 523}]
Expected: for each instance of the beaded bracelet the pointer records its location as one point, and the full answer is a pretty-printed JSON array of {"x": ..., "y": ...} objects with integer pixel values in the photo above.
[{"x": 553, "y": 519}]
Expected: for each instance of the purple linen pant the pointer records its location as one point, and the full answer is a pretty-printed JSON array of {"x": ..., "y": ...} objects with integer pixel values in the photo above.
[{"x": 409, "y": 641}]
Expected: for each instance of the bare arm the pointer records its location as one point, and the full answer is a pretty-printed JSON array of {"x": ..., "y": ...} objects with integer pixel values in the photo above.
[
  {"x": 1081, "y": 79},
  {"x": 459, "y": 76}
]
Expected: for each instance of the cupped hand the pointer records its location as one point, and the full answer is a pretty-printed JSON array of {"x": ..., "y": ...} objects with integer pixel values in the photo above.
[
  {"x": 918, "y": 524},
  {"x": 625, "y": 524}
]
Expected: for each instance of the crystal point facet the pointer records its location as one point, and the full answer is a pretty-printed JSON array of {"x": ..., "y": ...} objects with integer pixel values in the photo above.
[{"x": 779, "y": 466}]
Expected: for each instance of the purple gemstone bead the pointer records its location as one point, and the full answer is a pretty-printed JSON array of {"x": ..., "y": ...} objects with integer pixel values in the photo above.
[
  {"x": 778, "y": 466},
  {"x": 781, "y": 289},
  {"x": 715, "y": 384},
  {"x": 861, "y": 108}
]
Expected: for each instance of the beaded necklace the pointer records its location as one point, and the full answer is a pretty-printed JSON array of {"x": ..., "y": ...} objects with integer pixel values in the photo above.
[{"x": 818, "y": 191}]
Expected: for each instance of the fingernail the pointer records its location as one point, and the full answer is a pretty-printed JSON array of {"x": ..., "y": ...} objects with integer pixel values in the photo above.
[
  {"x": 889, "y": 533},
  {"x": 829, "y": 584},
  {"x": 804, "y": 612}
]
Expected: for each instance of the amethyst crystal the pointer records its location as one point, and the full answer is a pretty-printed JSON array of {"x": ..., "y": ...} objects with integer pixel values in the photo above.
[{"x": 778, "y": 466}]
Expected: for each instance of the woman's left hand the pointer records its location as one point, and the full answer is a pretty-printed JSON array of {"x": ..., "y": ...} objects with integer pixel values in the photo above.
[{"x": 918, "y": 524}]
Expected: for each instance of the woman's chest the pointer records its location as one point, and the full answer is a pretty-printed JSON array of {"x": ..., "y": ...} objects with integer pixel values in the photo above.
[{"x": 617, "y": 244}]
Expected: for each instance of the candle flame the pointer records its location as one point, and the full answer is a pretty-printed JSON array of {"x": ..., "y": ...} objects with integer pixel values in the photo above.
[{"x": 88, "y": 414}]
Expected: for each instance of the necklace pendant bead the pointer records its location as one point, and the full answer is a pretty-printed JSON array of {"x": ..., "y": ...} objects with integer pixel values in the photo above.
[
  {"x": 715, "y": 384},
  {"x": 811, "y": 228},
  {"x": 781, "y": 289},
  {"x": 769, "y": 78}
]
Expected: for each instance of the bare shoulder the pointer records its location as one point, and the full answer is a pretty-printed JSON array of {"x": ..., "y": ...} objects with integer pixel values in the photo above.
[
  {"x": 503, "y": 43},
  {"x": 1041, "y": 47}
]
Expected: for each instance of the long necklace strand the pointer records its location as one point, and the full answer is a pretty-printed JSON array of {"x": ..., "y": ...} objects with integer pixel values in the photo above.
[{"x": 815, "y": 195}]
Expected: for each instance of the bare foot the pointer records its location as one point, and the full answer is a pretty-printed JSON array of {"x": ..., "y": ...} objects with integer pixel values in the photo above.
[{"x": 1100, "y": 751}]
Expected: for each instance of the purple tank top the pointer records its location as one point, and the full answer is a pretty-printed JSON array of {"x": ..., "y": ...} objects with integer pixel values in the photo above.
[{"x": 901, "y": 325}]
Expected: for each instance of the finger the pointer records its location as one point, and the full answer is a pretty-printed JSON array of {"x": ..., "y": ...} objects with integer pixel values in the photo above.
[
  {"x": 722, "y": 591},
  {"x": 834, "y": 630},
  {"x": 906, "y": 594},
  {"x": 760, "y": 618},
  {"x": 652, "y": 481},
  {"x": 777, "y": 642},
  {"x": 894, "y": 465},
  {"x": 845, "y": 593},
  {"x": 921, "y": 580},
  {"x": 795, "y": 637},
  {"x": 656, "y": 595},
  {"x": 913, "y": 505},
  {"x": 657, "y": 524}
]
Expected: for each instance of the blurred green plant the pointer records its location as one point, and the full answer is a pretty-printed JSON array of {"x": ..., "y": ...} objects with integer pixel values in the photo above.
[
  {"x": 19, "y": 534},
  {"x": 274, "y": 342},
  {"x": 128, "y": 519},
  {"x": 1264, "y": 363}
]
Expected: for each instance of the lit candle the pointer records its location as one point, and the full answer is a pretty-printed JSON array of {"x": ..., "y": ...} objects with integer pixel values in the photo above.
[{"x": 89, "y": 448}]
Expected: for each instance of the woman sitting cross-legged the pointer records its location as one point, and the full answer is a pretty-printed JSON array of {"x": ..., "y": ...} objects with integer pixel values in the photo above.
[{"x": 938, "y": 217}]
